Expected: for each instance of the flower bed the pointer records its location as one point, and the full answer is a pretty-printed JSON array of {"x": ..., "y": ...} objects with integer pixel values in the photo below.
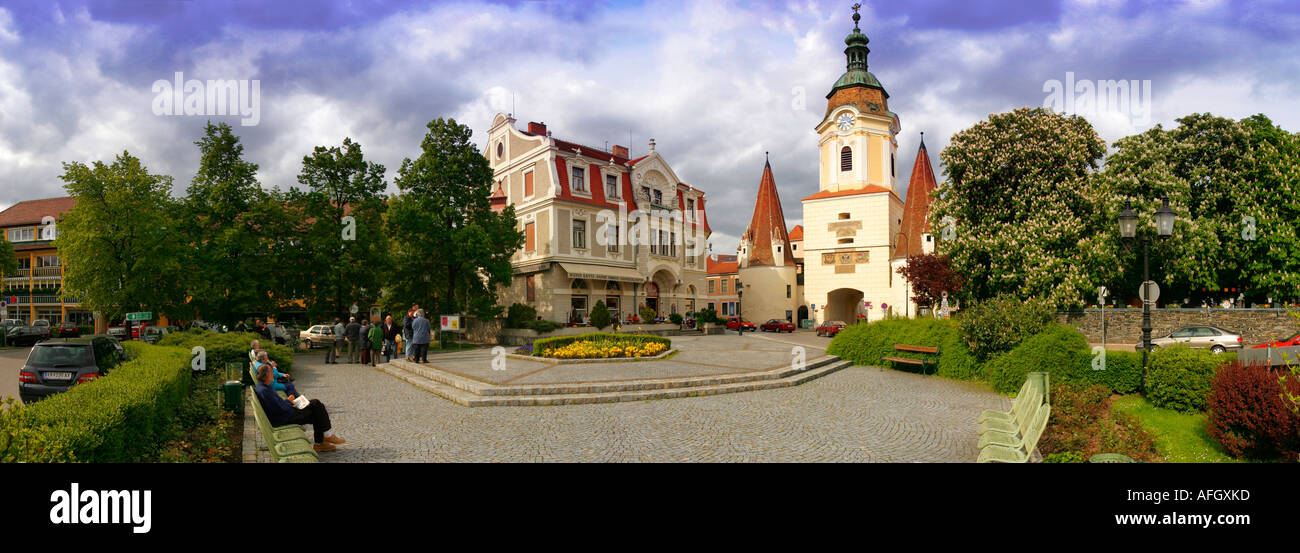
[{"x": 599, "y": 345}]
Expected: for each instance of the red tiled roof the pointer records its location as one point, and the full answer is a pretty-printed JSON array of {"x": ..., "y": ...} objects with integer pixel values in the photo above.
[
  {"x": 588, "y": 151},
  {"x": 31, "y": 212},
  {"x": 767, "y": 225},
  {"x": 916, "y": 210},
  {"x": 796, "y": 233},
  {"x": 870, "y": 189},
  {"x": 638, "y": 160},
  {"x": 717, "y": 267}
]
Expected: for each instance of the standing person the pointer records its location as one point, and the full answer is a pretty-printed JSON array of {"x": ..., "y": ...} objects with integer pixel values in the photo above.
[
  {"x": 406, "y": 331},
  {"x": 376, "y": 342},
  {"x": 340, "y": 339},
  {"x": 240, "y": 327},
  {"x": 390, "y": 333},
  {"x": 420, "y": 337},
  {"x": 353, "y": 334},
  {"x": 281, "y": 412},
  {"x": 365, "y": 342}
]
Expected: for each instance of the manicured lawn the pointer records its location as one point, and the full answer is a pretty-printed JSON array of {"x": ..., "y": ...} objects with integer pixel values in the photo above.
[{"x": 1180, "y": 437}]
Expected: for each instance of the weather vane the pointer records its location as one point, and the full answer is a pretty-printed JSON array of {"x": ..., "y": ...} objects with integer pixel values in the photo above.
[{"x": 856, "y": 16}]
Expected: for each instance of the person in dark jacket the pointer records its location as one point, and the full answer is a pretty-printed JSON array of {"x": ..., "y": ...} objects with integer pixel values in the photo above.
[
  {"x": 353, "y": 334},
  {"x": 390, "y": 338},
  {"x": 406, "y": 331},
  {"x": 340, "y": 341},
  {"x": 420, "y": 337},
  {"x": 281, "y": 412}
]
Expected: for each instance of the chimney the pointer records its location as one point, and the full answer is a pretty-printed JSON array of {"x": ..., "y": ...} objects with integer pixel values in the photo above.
[
  {"x": 621, "y": 151},
  {"x": 537, "y": 128}
]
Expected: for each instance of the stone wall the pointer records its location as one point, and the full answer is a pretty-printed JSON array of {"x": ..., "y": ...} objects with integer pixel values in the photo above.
[{"x": 1124, "y": 326}]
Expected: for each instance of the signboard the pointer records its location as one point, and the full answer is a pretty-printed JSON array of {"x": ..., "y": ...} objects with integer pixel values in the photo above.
[
  {"x": 451, "y": 323},
  {"x": 141, "y": 316}
]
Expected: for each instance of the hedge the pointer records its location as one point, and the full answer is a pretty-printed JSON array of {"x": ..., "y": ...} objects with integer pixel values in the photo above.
[
  {"x": 1179, "y": 378},
  {"x": 121, "y": 417},
  {"x": 869, "y": 343},
  {"x": 544, "y": 344},
  {"x": 223, "y": 349},
  {"x": 1052, "y": 351},
  {"x": 1248, "y": 415}
]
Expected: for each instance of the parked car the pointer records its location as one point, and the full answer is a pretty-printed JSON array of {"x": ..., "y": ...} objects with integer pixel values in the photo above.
[
  {"x": 151, "y": 334},
  {"x": 319, "y": 335},
  {"x": 41, "y": 322},
  {"x": 68, "y": 329},
  {"x": 777, "y": 325},
  {"x": 831, "y": 328},
  {"x": 734, "y": 322},
  {"x": 56, "y": 365},
  {"x": 1212, "y": 338},
  {"x": 10, "y": 323},
  {"x": 209, "y": 326},
  {"x": 1287, "y": 343},
  {"x": 117, "y": 332},
  {"x": 28, "y": 335}
]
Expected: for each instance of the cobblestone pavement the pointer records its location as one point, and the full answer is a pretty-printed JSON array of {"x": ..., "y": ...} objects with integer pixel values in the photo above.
[{"x": 859, "y": 414}]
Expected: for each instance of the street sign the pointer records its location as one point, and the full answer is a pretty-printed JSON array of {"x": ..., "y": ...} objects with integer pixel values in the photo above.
[
  {"x": 1102, "y": 292},
  {"x": 141, "y": 316},
  {"x": 1155, "y": 291}
]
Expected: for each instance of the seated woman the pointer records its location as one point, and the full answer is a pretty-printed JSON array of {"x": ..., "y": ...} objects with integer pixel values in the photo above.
[
  {"x": 280, "y": 381},
  {"x": 281, "y": 412},
  {"x": 252, "y": 353}
]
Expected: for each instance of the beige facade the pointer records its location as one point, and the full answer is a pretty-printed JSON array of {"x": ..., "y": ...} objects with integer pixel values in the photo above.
[{"x": 598, "y": 226}]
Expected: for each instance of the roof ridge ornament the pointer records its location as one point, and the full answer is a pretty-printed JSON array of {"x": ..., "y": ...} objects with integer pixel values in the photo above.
[{"x": 856, "y": 16}]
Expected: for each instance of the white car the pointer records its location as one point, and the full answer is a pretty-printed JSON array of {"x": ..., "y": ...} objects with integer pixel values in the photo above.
[{"x": 319, "y": 335}]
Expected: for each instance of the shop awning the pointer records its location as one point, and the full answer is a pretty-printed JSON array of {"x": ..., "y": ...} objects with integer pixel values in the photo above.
[{"x": 600, "y": 272}]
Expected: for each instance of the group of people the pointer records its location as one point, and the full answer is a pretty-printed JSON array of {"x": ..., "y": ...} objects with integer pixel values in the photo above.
[
  {"x": 281, "y": 411},
  {"x": 364, "y": 342}
]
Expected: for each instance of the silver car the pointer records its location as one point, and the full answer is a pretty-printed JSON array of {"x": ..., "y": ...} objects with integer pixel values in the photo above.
[
  {"x": 316, "y": 336},
  {"x": 1212, "y": 338}
]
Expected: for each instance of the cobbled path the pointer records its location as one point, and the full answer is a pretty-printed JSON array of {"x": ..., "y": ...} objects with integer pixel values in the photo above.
[{"x": 860, "y": 414}]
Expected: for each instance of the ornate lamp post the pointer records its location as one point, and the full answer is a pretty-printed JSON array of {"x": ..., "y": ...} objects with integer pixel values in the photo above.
[
  {"x": 1128, "y": 230},
  {"x": 740, "y": 321}
]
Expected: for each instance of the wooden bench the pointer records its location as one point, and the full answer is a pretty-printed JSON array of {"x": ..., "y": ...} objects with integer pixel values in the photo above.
[{"x": 929, "y": 356}]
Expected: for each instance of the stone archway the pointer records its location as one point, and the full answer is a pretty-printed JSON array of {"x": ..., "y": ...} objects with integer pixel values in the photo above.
[{"x": 843, "y": 304}]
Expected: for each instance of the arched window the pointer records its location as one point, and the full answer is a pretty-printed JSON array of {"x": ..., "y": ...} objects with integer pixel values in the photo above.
[{"x": 846, "y": 159}]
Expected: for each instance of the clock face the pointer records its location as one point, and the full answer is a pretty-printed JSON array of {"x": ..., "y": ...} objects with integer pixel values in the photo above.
[{"x": 845, "y": 121}]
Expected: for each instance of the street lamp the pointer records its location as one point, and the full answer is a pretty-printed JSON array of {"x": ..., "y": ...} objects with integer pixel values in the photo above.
[
  {"x": 907, "y": 286},
  {"x": 1128, "y": 230},
  {"x": 740, "y": 321}
]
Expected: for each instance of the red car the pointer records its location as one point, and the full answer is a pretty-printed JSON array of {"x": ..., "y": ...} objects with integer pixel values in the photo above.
[
  {"x": 1287, "y": 343},
  {"x": 831, "y": 328},
  {"x": 68, "y": 329},
  {"x": 777, "y": 325},
  {"x": 733, "y": 322}
]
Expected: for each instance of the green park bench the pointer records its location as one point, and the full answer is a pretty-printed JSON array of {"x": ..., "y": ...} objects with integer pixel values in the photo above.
[
  {"x": 929, "y": 356},
  {"x": 289, "y": 443},
  {"x": 1022, "y": 451}
]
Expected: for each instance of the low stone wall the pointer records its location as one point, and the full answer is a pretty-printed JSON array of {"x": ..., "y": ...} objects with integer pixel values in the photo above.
[
  {"x": 479, "y": 331},
  {"x": 1124, "y": 326},
  {"x": 524, "y": 336}
]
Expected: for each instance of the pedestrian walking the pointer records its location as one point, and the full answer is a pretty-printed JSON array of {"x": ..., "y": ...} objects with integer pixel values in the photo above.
[
  {"x": 353, "y": 334},
  {"x": 420, "y": 337}
]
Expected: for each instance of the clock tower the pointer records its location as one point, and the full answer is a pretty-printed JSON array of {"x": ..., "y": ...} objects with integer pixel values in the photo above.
[
  {"x": 857, "y": 134},
  {"x": 854, "y": 218}
]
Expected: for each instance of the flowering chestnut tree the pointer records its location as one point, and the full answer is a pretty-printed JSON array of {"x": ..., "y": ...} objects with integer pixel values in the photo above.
[{"x": 1017, "y": 213}]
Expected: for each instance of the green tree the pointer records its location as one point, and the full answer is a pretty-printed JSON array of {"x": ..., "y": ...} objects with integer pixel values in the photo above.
[
  {"x": 230, "y": 261},
  {"x": 1217, "y": 174},
  {"x": 120, "y": 247},
  {"x": 599, "y": 315},
  {"x": 450, "y": 249},
  {"x": 8, "y": 261},
  {"x": 348, "y": 256},
  {"x": 1021, "y": 194}
]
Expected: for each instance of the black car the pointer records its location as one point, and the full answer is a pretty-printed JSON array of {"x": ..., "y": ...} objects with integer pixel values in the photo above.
[
  {"x": 27, "y": 335},
  {"x": 54, "y": 366}
]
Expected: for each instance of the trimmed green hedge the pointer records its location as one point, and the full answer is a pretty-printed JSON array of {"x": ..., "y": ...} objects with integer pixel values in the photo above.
[
  {"x": 1179, "y": 378},
  {"x": 232, "y": 347},
  {"x": 122, "y": 417},
  {"x": 543, "y": 344},
  {"x": 870, "y": 343},
  {"x": 1051, "y": 351},
  {"x": 1121, "y": 372}
]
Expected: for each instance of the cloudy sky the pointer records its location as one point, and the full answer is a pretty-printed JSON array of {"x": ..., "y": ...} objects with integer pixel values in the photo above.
[{"x": 715, "y": 83}]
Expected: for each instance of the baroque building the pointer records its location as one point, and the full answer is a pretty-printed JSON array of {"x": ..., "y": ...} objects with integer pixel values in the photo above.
[{"x": 598, "y": 226}]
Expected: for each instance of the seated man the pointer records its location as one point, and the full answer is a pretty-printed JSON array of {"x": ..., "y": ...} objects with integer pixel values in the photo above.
[
  {"x": 281, "y": 412},
  {"x": 280, "y": 382}
]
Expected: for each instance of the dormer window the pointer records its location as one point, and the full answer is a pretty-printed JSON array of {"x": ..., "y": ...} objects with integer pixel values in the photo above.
[
  {"x": 846, "y": 159},
  {"x": 611, "y": 186},
  {"x": 579, "y": 180}
]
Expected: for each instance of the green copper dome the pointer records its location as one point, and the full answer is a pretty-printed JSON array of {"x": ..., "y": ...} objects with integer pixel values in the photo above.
[{"x": 856, "y": 54}]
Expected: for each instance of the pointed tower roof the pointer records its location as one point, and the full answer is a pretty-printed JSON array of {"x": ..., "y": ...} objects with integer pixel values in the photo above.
[
  {"x": 767, "y": 225},
  {"x": 916, "y": 210},
  {"x": 498, "y": 199}
]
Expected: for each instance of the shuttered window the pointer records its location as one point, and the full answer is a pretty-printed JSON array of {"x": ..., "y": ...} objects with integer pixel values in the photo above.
[{"x": 846, "y": 159}]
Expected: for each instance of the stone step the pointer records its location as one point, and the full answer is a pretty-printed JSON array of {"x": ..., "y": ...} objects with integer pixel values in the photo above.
[
  {"x": 484, "y": 389},
  {"x": 465, "y": 398}
]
